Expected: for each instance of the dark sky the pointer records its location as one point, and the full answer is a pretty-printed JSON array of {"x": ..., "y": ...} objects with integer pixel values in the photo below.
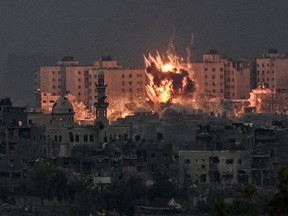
[{"x": 127, "y": 29}]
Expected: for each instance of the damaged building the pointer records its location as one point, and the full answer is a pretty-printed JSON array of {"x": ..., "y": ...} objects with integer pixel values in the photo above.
[{"x": 214, "y": 167}]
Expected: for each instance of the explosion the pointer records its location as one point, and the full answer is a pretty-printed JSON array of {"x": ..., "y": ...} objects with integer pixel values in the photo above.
[{"x": 168, "y": 80}]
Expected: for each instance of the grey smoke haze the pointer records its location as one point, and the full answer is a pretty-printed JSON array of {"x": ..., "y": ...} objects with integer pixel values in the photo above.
[{"x": 127, "y": 29}]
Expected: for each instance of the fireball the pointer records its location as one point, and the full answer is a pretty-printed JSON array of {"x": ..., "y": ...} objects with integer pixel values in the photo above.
[
  {"x": 168, "y": 79},
  {"x": 167, "y": 68}
]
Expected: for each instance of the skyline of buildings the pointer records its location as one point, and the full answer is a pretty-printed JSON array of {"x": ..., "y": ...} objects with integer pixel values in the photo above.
[{"x": 216, "y": 76}]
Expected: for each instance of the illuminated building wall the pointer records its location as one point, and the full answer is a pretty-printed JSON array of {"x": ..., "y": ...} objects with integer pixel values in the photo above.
[
  {"x": 222, "y": 78},
  {"x": 70, "y": 77},
  {"x": 272, "y": 70}
]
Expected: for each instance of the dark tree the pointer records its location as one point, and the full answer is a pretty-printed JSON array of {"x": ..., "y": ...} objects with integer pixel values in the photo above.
[
  {"x": 279, "y": 203},
  {"x": 47, "y": 182},
  {"x": 162, "y": 190}
]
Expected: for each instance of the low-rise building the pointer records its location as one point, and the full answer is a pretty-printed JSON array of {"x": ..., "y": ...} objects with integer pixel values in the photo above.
[{"x": 224, "y": 167}]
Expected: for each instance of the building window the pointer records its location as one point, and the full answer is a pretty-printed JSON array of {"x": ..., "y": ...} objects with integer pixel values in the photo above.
[
  {"x": 79, "y": 72},
  {"x": 130, "y": 75},
  {"x": 205, "y": 69},
  {"x": 123, "y": 83},
  {"x": 71, "y": 136},
  {"x": 130, "y": 83},
  {"x": 91, "y": 137},
  {"x": 77, "y": 138},
  {"x": 229, "y": 161},
  {"x": 206, "y": 76},
  {"x": 187, "y": 161},
  {"x": 203, "y": 178},
  {"x": 85, "y": 138},
  {"x": 213, "y": 69}
]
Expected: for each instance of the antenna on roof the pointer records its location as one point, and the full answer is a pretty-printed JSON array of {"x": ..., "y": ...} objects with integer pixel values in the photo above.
[{"x": 100, "y": 63}]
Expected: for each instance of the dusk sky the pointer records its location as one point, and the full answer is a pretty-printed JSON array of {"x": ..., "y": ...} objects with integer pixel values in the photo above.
[{"x": 127, "y": 29}]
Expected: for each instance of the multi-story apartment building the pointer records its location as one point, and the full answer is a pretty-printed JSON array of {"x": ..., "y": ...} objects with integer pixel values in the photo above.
[
  {"x": 210, "y": 74},
  {"x": 223, "y": 78},
  {"x": 70, "y": 77},
  {"x": 272, "y": 70}
]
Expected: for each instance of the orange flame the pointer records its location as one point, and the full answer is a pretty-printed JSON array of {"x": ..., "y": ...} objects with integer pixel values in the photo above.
[
  {"x": 161, "y": 87},
  {"x": 158, "y": 93}
]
